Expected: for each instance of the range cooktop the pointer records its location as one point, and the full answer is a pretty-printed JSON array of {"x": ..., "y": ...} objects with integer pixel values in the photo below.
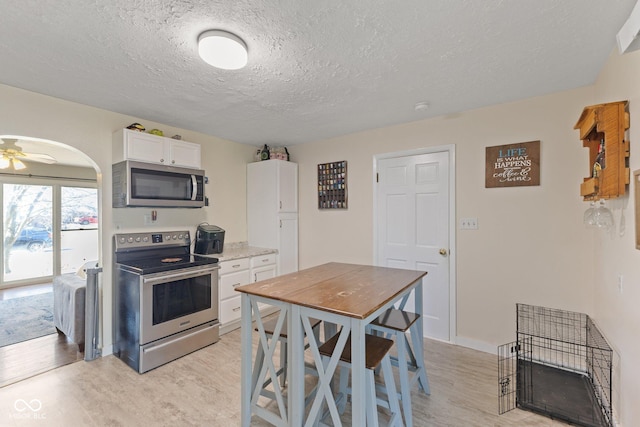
[
  {"x": 165, "y": 263},
  {"x": 155, "y": 252}
]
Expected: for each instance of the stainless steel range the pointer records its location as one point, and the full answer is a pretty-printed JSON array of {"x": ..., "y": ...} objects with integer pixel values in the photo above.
[{"x": 165, "y": 298}]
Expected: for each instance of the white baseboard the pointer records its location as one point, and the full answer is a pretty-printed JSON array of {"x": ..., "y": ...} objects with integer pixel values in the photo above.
[
  {"x": 476, "y": 345},
  {"x": 107, "y": 350}
]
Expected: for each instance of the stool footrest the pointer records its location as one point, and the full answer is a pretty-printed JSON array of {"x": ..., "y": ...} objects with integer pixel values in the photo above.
[
  {"x": 398, "y": 320},
  {"x": 375, "y": 349}
]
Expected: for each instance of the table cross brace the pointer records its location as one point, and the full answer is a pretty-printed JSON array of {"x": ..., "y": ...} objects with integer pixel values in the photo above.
[
  {"x": 325, "y": 374},
  {"x": 268, "y": 347}
]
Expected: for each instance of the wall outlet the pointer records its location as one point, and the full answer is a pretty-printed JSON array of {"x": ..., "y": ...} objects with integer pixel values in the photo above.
[{"x": 468, "y": 223}]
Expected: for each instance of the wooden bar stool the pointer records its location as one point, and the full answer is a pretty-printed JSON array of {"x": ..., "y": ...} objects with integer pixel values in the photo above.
[
  {"x": 376, "y": 354},
  {"x": 396, "y": 323},
  {"x": 269, "y": 329}
]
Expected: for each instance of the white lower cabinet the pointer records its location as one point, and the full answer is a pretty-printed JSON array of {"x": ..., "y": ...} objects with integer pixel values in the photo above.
[
  {"x": 263, "y": 267},
  {"x": 234, "y": 273}
]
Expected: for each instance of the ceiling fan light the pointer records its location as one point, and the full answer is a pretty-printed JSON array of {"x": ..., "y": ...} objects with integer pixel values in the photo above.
[
  {"x": 18, "y": 165},
  {"x": 4, "y": 162},
  {"x": 222, "y": 50}
]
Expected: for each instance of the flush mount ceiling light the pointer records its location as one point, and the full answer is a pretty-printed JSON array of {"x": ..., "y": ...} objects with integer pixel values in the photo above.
[{"x": 222, "y": 50}]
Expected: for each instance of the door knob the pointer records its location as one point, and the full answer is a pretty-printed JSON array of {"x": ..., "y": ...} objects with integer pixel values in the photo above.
[{"x": 443, "y": 252}]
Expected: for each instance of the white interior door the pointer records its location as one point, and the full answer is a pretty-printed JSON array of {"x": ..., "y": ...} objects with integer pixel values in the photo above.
[{"x": 413, "y": 228}]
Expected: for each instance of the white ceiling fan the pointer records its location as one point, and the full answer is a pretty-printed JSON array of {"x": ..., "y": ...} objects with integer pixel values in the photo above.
[{"x": 11, "y": 154}]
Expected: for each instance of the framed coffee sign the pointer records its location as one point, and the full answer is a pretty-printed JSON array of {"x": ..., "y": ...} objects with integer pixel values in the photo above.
[{"x": 513, "y": 165}]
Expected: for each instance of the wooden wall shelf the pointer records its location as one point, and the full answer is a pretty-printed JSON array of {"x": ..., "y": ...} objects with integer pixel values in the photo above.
[{"x": 609, "y": 122}]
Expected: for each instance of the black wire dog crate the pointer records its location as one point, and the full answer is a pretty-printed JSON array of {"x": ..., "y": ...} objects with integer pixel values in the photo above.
[{"x": 560, "y": 366}]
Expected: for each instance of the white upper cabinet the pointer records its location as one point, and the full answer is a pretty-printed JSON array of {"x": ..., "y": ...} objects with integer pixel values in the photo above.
[
  {"x": 287, "y": 186},
  {"x": 185, "y": 154},
  {"x": 145, "y": 147},
  {"x": 273, "y": 185}
]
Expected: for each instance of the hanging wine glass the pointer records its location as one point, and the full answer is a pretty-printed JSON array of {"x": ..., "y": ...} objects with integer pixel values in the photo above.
[
  {"x": 588, "y": 215},
  {"x": 602, "y": 216}
]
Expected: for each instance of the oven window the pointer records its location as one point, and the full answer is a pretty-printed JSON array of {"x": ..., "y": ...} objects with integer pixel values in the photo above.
[{"x": 181, "y": 298}]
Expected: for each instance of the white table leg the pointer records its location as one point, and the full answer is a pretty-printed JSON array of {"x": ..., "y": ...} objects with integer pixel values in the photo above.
[
  {"x": 423, "y": 381},
  {"x": 296, "y": 366},
  {"x": 247, "y": 351},
  {"x": 358, "y": 373}
]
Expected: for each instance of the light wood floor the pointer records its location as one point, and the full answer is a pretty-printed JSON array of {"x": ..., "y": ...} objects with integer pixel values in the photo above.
[
  {"x": 203, "y": 388},
  {"x": 29, "y": 358},
  {"x": 33, "y": 357}
]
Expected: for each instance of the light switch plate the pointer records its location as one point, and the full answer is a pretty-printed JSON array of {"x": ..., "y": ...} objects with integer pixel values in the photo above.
[{"x": 468, "y": 223}]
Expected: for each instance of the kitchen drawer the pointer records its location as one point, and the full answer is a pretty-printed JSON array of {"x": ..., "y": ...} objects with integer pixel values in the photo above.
[
  {"x": 230, "y": 310},
  {"x": 263, "y": 273},
  {"x": 229, "y": 281},
  {"x": 234, "y": 265},
  {"x": 259, "y": 261}
]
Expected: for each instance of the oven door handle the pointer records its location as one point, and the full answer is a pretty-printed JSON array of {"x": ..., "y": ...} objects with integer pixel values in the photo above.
[{"x": 177, "y": 276}]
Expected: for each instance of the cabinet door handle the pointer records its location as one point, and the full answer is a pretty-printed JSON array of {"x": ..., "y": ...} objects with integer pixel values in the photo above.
[
  {"x": 280, "y": 223},
  {"x": 265, "y": 260},
  {"x": 236, "y": 309},
  {"x": 161, "y": 160},
  {"x": 280, "y": 204},
  {"x": 236, "y": 284},
  {"x": 235, "y": 266}
]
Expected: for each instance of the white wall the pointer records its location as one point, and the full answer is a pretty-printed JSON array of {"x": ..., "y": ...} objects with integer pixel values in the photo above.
[
  {"x": 531, "y": 245},
  {"x": 618, "y": 313},
  {"x": 89, "y": 130}
]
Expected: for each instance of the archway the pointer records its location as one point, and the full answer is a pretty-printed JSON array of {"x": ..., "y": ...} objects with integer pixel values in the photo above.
[{"x": 51, "y": 219}]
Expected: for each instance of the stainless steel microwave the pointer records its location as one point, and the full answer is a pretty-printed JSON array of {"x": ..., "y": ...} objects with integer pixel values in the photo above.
[{"x": 147, "y": 184}]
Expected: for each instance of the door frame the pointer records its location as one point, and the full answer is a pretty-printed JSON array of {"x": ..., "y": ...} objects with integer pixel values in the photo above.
[{"x": 451, "y": 149}]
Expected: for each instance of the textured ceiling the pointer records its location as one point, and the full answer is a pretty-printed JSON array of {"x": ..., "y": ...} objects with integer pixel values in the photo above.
[{"x": 317, "y": 69}]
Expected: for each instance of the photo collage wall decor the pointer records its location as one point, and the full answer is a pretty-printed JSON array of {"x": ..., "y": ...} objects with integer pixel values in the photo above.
[{"x": 332, "y": 185}]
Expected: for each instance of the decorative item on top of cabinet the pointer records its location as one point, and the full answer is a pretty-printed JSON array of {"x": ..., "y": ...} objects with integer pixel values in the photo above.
[
  {"x": 602, "y": 130},
  {"x": 145, "y": 147},
  {"x": 332, "y": 185},
  {"x": 267, "y": 152}
]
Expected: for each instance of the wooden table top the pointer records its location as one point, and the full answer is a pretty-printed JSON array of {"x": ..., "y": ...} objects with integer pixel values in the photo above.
[{"x": 348, "y": 289}]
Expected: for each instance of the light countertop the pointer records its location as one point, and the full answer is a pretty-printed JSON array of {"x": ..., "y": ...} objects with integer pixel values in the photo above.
[{"x": 237, "y": 250}]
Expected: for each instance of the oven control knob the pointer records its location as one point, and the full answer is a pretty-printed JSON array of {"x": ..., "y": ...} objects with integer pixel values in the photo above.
[
  {"x": 145, "y": 239},
  {"x": 175, "y": 236},
  {"x": 180, "y": 236},
  {"x": 138, "y": 239},
  {"x": 130, "y": 240},
  {"x": 167, "y": 237},
  {"x": 122, "y": 239}
]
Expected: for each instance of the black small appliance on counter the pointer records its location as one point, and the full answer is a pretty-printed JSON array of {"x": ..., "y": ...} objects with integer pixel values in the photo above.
[{"x": 209, "y": 239}]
